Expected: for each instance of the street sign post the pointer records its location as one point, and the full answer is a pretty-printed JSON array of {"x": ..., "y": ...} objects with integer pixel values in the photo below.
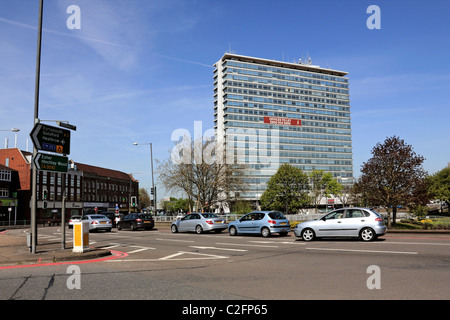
[
  {"x": 49, "y": 162},
  {"x": 52, "y": 139}
]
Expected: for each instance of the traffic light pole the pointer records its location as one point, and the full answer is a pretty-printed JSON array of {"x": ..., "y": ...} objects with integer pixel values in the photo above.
[{"x": 36, "y": 119}]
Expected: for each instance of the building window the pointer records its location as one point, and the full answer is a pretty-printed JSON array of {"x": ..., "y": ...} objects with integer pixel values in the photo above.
[
  {"x": 4, "y": 193},
  {"x": 5, "y": 175}
]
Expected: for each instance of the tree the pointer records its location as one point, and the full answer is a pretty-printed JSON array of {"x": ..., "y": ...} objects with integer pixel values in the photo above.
[
  {"x": 144, "y": 198},
  {"x": 439, "y": 185},
  {"x": 194, "y": 170},
  {"x": 323, "y": 185},
  {"x": 287, "y": 190},
  {"x": 392, "y": 177}
]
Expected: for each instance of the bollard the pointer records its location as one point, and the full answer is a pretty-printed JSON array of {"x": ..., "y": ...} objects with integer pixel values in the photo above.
[{"x": 80, "y": 236}]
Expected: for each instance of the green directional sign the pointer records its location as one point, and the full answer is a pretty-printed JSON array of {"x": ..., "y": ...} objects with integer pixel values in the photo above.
[{"x": 49, "y": 162}]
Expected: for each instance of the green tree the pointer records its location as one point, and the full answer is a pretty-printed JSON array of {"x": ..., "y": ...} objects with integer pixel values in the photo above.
[
  {"x": 144, "y": 198},
  {"x": 287, "y": 190},
  {"x": 392, "y": 177},
  {"x": 439, "y": 185},
  {"x": 323, "y": 185}
]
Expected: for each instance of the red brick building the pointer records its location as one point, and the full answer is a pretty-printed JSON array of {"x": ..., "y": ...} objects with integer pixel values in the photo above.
[{"x": 87, "y": 188}]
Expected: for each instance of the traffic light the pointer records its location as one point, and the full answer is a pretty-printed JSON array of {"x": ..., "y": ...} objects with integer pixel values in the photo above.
[
  {"x": 44, "y": 197},
  {"x": 133, "y": 201}
]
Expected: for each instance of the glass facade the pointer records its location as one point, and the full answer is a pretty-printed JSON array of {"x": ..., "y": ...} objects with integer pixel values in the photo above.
[{"x": 267, "y": 113}]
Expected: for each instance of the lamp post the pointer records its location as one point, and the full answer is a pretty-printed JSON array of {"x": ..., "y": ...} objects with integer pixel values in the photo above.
[
  {"x": 36, "y": 119},
  {"x": 153, "y": 181}
]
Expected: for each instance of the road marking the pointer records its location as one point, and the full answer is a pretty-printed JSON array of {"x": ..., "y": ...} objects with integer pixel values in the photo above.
[
  {"x": 141, "y": 249},
  {"x": 174, "y": 240},
  {"x": 278, "y": 242},
  {"x": 175, "y": 257},
  {"x": 422, "y": 243},
  {"x": 214, "y": 248},
  {"x": 246, "y": 245},
  {"x": 369, "y": 251}
]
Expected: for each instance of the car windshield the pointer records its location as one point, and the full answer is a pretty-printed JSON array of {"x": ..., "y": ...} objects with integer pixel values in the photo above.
[
  {"x": 209, "y": 215},
  {"x": 276, "y": 215}
]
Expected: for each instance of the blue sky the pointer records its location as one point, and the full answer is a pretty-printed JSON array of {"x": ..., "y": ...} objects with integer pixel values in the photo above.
[{"x": 139, "y": 69}]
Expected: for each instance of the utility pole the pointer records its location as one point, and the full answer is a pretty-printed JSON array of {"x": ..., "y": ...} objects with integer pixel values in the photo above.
[{"x": 36, "y": 119}]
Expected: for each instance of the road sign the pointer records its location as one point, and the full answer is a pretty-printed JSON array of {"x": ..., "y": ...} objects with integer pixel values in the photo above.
[
  {"x": 53, "y": 139},
  {"x": 50, "y": 162}
]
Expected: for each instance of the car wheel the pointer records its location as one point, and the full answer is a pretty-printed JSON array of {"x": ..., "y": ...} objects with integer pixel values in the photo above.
[
  {"x": 233, "y": 231},
  {"x": 367, "y": 234},
  {"x": 265, "y": 232},
  {"x": 119, "y": 227},
  {"x": 198, "y": 229},
  {"x": 174, "y": 228},
  {"x": 308, "y": 234}
]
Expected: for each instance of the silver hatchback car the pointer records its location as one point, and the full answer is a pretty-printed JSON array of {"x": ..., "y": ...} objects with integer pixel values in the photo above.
[
  {"x": 363, "y": 223},
  {"x": 199, "y": 222},
  {"x": 260, "y": 222}
]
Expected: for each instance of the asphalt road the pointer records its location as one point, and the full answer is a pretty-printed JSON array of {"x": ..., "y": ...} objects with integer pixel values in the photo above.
[{"x": 159, "y": 265}]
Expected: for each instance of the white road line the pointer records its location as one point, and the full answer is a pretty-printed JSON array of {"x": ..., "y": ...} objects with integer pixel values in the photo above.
[
  {"x": 176, "y": 257},
  {"x": 278, "y": 242},
  {"x": 214, "y": 248},
  {"x": 110, "y": 247},
  {"x": 141, "y": 249},
  {"x": 174, "y": 240},
  {"x": 421, "y": 243},
  {"x": 369, "y": 251},
  {"x": 245, "y": 245}
]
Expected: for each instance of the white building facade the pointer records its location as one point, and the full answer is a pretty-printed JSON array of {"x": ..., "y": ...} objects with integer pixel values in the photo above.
[{"x": 269, "y": 112}]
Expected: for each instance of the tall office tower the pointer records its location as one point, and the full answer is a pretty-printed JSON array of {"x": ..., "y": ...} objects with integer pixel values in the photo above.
[{"x": 268, "y": 112}]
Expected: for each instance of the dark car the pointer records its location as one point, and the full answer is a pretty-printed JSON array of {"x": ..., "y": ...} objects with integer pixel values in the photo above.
[
  {"x": 134, "y": 221},
  {"x": 111, "y": 216}
]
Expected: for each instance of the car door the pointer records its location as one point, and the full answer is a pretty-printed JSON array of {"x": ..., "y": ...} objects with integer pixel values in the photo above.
[
  {"x": 193, "y": 222},
  {"x": 353, "y": 222},
  {"x": 184, "y": 223},
  {"x": 247, "y": 223},
  {"x": 331, "y": 224}
]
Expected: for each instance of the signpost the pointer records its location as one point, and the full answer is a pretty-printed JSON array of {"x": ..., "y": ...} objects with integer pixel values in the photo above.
[
  {"x": 52, "y": 139},
  {"x": 49, "y": 162}
]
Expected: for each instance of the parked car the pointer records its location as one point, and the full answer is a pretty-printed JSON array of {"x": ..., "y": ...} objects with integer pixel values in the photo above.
[
  {"x": 260, "y": 222},
  {"x": 98, "y": 222},
  {"x": 198, "y": 223},
  {"x": 362, "y": 223},
  {"x": 134, "y": 221},
  {"x": 72, "y": 220}
]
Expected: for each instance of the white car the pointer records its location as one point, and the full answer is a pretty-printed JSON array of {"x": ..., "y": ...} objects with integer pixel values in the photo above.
[
  {"x": 362, "y": 223},
  {"x": 73, "y": 219},
  {"x": 98, "y": 222}
]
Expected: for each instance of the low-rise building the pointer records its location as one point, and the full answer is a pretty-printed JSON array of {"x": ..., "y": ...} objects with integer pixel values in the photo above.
[{"x": 86, "y": 188}]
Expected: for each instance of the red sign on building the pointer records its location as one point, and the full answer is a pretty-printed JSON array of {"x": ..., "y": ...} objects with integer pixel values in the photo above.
[{"x": 283, "y": 121}]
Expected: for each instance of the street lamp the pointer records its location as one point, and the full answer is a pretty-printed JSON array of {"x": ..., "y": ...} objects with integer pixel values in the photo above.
[{"x": 153, "y": 181}]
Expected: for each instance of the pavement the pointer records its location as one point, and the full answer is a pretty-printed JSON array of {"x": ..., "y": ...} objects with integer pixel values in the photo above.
[{"x": 15, "y": 252}]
